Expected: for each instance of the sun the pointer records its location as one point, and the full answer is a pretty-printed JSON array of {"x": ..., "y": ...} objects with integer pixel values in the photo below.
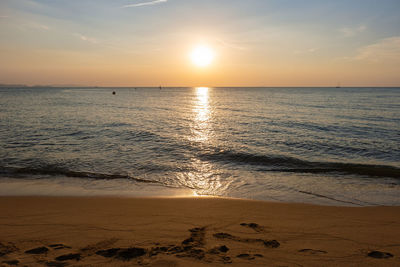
[{"x": 202, "y": 55}]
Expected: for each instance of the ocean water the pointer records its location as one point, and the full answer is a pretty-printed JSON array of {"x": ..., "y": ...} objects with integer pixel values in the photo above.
[{"x": 329, "y": 146}]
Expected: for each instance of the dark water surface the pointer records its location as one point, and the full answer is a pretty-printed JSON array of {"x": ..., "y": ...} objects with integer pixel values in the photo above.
[{"x": 336, "y": 146}]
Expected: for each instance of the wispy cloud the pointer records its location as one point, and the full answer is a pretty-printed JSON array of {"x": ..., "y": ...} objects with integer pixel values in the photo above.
[
  {"x": 230, "y": 44},
  {"x": 351, "y": 31},
  {"x": 386, "y": 50},
  {"x": 3, "y": 17},
  {"x": 34, "y": 26},
  {"x": 86, "y": 38},
  {"x": 150, "y": 3}
]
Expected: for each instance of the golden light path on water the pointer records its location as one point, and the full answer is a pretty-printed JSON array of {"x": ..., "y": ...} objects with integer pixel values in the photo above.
[
  {"x": 201, "y": 127},
  {"x": 204, "y": 178}
]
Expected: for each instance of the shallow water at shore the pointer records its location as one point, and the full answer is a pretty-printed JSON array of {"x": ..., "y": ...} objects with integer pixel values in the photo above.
[{"x": 318, "y": 145}]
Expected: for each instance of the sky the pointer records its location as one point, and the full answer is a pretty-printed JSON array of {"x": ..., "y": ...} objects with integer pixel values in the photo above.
[{"x": 149, "y": 42}]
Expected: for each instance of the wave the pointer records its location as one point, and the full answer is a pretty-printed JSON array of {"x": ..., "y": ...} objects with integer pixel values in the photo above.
[
  {"x": 291, "y": 164},
  {"x": 57, "y": 171},
  {"x": 265, "y": 163}
]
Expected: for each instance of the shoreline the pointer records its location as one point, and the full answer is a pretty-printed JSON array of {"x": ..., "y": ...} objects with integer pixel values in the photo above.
[
  {"x": 194, "y": 231},
  {"x": 77, "y": 187},
  {"x": 189, "y": 196}
]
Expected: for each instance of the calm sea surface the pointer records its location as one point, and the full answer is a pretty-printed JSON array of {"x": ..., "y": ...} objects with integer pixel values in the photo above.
[{"x": 335, "y": 146}]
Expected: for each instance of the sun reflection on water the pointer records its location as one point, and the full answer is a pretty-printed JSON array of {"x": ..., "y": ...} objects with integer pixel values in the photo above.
[
  {"x": 204, "y": 179},
  {"x": 201, "y": 125},
  {"x": 202, "y": 94}
]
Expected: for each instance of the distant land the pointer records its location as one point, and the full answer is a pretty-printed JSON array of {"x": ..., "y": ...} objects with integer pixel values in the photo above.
[
  {"x": 13, "y": 85},
  {"x": 39, "y": 85}
]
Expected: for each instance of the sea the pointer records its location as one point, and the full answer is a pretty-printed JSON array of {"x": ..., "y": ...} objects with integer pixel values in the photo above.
[{"x": 325, "y": 146}]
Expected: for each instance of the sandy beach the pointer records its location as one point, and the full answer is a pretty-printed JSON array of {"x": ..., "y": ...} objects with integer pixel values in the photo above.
[{"x": 71, "y": 231}]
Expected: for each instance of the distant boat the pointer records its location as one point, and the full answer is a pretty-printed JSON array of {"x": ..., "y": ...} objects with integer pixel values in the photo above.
[
  {"x": 338, "y": 85},
  {"x": 159, "y": 87}
]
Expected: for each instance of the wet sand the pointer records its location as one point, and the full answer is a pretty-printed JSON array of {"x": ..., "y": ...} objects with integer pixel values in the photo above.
[{"x": 75, "y": 231}]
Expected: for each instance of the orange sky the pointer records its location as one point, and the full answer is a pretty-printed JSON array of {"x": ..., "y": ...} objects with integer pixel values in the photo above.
[{"x": 148, "y": 43}]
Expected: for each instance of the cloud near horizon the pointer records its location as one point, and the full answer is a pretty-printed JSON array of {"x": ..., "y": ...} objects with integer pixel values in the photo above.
[
  {"x": 351, "y": 31},
  {"x": 385, "y": 50},
  {"x": 33, "y": 25},
  {"x": 155, "y": 2},
  {"x": 86, "y": 38}
]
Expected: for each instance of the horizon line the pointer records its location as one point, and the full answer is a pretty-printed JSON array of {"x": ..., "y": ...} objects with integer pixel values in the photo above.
[{"x": 183, "y": 86}]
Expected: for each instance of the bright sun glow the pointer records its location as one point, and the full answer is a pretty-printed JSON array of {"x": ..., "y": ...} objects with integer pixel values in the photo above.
[{"x": 202, "y": 56}]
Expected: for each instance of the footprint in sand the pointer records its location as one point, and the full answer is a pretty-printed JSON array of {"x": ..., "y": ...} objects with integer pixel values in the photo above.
[
  {"x": 247, "y": 256},
  {"x": 379, "y": 254},
  {"x": 11, "y": 262},
  {"x": 124, "y": 254},
  {"x": 219, "y": 249},
  {"x": 196, "y": 238},
  {"x": 67, "y": 257},
  {"x": 267, "y": 243},
  {"x": 7, "y": 248},
  {"x": 58, "y": 246},
  {"x": 92, "y": 248},
  {"x": 312, "y": 251},
  {"x": 108, "y": 253},
  {"x": 39, "y": 250},
  {"x": 253, "y": 226},
  {"x": 194, "y": 247}
]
